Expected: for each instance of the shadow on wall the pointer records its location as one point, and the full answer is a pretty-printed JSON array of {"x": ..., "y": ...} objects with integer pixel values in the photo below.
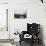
[{"x": 41, "y": 34}]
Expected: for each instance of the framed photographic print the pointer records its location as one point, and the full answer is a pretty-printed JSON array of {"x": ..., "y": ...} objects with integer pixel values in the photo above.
[{"x": 20, "y": 14}]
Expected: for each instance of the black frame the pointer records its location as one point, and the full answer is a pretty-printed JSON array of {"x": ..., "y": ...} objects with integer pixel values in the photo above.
[{"x": 20, "y": 15}]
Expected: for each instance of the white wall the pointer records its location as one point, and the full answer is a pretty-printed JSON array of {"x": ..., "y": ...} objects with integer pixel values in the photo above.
[
  {"x": 3, "y": 1},
  {"x": 35, "y": 13}
]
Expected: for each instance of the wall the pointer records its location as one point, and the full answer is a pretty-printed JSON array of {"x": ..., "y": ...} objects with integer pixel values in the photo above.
[
  {"x": 35, "y": 13},
  {"x": 3, "y": 1}
]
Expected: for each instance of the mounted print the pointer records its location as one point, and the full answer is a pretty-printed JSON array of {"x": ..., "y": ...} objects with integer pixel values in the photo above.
[{"x": 20, "y": 14}]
